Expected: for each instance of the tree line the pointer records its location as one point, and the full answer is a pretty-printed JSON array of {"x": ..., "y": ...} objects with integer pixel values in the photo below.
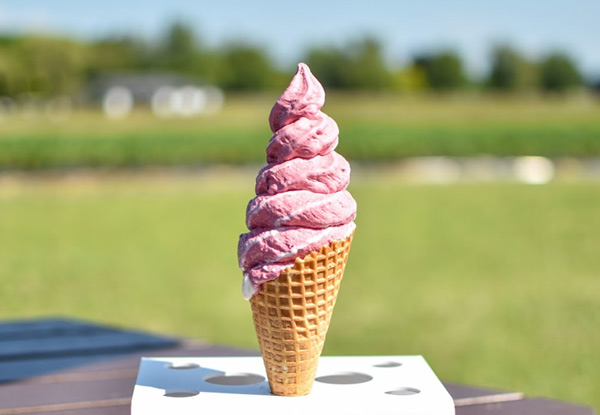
[{"x": 48, "y": 66}]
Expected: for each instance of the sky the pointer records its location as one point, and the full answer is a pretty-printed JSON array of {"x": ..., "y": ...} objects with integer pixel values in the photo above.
[{"x": 288, "y": 28}]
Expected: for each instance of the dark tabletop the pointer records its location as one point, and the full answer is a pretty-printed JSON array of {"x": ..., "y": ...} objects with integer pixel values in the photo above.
[{"x": 69, "y": 367}]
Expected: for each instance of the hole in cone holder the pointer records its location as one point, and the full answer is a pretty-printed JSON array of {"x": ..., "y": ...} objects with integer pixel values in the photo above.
[
  {"x": 404, "y": 391},
  {"x": 345, "y": 378},
  {"x": 388, "y": 364},
  {"x": 235, "y": 379},
  {"x": 183, "y": 366},
  {"x": 180, "y": 393}
]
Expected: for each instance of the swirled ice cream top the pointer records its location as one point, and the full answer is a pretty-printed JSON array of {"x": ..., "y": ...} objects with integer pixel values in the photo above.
[{"x": 301, "y": 201}]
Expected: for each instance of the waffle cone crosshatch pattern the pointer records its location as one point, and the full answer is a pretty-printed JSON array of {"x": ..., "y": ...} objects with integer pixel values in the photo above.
[{"x": 292, "y": 314}]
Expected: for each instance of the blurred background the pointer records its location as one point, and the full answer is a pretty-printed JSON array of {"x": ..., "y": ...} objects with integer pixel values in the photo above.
[{"x": 130, "y": 138}]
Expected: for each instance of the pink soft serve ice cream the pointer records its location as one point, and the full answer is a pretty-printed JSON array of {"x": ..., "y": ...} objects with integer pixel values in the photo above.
[{"x": 301, "y": 201}]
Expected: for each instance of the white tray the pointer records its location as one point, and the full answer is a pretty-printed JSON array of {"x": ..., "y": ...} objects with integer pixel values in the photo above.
[{"x": 400, "y": 385}]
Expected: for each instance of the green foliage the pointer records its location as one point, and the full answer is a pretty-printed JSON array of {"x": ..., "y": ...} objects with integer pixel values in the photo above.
[
  {"x": 9, "y": 69},
  {"x": 367, "y": 70},
  {"x": 48, "y": 66},
  {"x": 116, "y": 55},
  {"x": 126, "y": 150},
  {"x": 330, "y": 65},
  {"x": 357, "y": 66},
  {"x": 443, "y": 70},
  {"x": 510, "y": 71},
  {"x": 179, "y": 49},
  {"x": 245, "y": 68},
  {"x": 505, "y": 69},
  {"x": 558, "y": 73},
  {"x": 42, "y": 66},
  {"x": 410, "y": 79},
  {"x": 373, "y": 127}
]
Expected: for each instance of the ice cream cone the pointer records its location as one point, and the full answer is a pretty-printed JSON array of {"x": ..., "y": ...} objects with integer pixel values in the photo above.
[{"x": 292, "y": 314}]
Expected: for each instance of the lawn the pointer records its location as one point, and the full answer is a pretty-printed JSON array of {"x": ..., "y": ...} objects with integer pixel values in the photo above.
[
  {"x": 373, "y": 127},
  {"x": 495, "y": 284}
]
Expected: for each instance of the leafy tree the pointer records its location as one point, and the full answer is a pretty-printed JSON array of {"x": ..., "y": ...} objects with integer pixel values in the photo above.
[
  {"x": 330, "y": 65},
  {"x": 182, "y": 51},
  {"x": 179, "y": 49},
  {"x": 558, "y": 73},
  {"x": 116, "y": 54},
  {"x": 510, "y": 71},
  {"x": 359, "y": 65},
  {"x": 9, "y": 66},
  {"x": 443, "y": 71},
  {"x": 504, "y": 74},
  {"x": 245, "y": 67},
  {"x": 46, "y": 65},
  {"x": 367, "y": 68},
  {"x": 410, "y": 78},
  {"x": 50, "y": 66},
  {"x": 8, "y": 71}
]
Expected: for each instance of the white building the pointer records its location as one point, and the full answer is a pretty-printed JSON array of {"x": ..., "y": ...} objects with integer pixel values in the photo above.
[{"x": 166, "y": 95}]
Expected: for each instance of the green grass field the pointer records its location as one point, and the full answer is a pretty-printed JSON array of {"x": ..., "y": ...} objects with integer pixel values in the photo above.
[
  {"x": 373, "y": 127},
  {"x": 494, "y": 284}
]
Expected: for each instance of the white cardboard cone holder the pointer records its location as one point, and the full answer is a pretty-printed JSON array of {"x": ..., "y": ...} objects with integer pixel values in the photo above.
[{"x": 400, "y": 385}]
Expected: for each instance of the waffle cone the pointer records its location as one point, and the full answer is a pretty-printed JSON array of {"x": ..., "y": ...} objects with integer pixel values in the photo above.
[{"x": 291, "y": 316}]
